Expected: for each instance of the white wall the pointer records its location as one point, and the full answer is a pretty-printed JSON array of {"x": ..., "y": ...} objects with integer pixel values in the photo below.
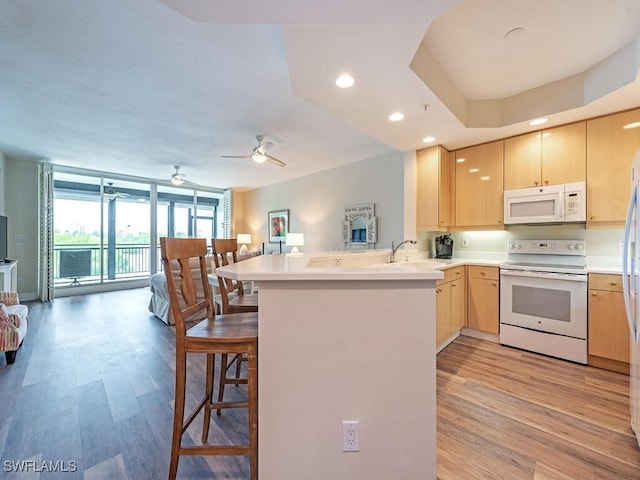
[
  {"x": 316, "y": 203},
  {"x": 3, "y": 183}
]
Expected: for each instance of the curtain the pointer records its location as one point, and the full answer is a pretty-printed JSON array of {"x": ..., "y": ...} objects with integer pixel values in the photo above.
[
  {"x": 45, "y": 232},
  {"x": 227, "y": 214}
]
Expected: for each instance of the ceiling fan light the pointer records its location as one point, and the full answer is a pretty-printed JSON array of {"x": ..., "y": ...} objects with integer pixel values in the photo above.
[
  {"x": 176, "y": 180},
  {"x": 259, "y": 158},
  {"x": 345, "y": 81}
]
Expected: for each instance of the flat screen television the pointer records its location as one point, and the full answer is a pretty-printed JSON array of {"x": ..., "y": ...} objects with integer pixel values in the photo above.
[{"x": 3, "y": 238}]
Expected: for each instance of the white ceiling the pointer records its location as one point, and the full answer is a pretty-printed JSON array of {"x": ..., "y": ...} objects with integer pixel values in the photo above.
[{"x": 137, "y": 87}]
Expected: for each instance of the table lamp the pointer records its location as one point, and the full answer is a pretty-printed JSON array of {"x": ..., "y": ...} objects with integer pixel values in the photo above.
[
  {"x": 244, "y": 239},
  {"x": 295, "y": 240}
]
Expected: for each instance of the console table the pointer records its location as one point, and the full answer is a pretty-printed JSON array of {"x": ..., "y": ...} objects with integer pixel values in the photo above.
[{"x": 10, "y": 274}]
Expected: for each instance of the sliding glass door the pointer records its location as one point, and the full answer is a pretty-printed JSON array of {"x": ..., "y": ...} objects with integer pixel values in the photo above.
[{"x": 107, "y": 228}]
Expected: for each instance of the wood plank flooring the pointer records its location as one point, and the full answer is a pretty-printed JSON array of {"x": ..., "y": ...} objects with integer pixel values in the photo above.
[
  {"x": 508, "y": 414},
  {"x": 91, "y": 396}
]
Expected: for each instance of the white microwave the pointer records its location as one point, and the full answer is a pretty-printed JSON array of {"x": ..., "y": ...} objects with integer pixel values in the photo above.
[{"x": 564, "y": 203}]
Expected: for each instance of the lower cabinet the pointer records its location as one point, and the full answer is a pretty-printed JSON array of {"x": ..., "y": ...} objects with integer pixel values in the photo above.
[
  {"x": 483, "y": 298},
  {"x": 608, "y": 329},
  {"x": 450, "y": 304}
]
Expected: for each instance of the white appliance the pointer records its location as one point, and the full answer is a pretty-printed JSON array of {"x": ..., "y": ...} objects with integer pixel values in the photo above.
[
  {"x": 630, "y": 285},
  {"x": 564, "y": 203},
  {"x": 543, "y": 298}
]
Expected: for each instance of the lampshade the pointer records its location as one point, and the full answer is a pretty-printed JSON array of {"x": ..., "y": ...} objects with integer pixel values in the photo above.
[
  {"x": 243, "y": 239},
  {"x": 295, "y": 240}
]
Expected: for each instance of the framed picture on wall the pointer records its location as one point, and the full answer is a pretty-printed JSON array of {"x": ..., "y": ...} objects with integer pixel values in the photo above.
[{"x": 278, "y": 225}]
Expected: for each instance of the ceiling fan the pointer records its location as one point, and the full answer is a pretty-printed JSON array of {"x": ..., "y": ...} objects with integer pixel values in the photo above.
[
  {"x": 178, "y": 178},
  {"x": 110, "y": 192},
  {"x": 259, "y": 153}
]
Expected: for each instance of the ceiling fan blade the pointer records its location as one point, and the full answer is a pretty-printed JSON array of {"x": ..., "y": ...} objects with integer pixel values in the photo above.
[
  {"x": 235, "y": 156},
  {"x": 264, "y": 147},
  {"x": 271, "y": 159}
]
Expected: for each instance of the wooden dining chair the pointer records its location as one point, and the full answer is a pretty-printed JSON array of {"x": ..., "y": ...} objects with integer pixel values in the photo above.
[
  {"x": 232, "y": 293},
  {"x": 234, "y": 334},
  {"x": 233, "y": 300}
]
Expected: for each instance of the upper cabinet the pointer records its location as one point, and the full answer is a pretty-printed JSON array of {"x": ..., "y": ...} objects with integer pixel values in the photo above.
[
  {"x": 610, "y": 149},
  {"x": 479, "y": 186},
  {"x": 435, "y": 187},
  {"x": 549, "y": 157}
]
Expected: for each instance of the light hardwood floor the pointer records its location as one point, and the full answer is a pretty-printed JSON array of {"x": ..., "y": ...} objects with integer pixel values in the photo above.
[{"x": 93, "y": 384}]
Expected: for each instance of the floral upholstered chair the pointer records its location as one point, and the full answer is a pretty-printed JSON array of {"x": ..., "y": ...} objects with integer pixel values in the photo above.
[{"x": 13, "y": 324}]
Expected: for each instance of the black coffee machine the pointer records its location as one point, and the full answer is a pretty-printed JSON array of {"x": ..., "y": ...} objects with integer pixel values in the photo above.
[{"x": 444, "y": 246}]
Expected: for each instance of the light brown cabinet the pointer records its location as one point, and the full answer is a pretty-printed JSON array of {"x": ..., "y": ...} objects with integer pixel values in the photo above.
[
  {"x": 483, "y": 296},
  {"x": 608, "y": 329},
  {"x": 479, "y": 186},
  {"x": 610, "y": 149},
  {"x": 435, "y": 186},
  {"x": 548, "y": 157},
  {"x": 450, "y": 304}
]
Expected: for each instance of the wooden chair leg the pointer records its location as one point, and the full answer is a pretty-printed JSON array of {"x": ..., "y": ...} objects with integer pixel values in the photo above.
[
  {"x": 10, "y": 356},
  {"x": 178, "y": 414},
  {"x": 252, "y": 388},
  {"x": 223, "y": 375},
  {"x": 211, "y": 366}
]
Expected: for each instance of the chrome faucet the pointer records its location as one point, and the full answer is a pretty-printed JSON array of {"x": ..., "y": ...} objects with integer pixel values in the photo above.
[{"x": 394, "y": 249}]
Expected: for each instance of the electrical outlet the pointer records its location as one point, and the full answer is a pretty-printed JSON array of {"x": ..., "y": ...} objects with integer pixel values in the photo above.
[
  {"x": 465, "y": 242},
  {"x": 351, "y": 436}
]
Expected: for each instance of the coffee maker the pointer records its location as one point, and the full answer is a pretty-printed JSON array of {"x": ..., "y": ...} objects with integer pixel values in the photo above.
[{"x": 444, "y": 246}]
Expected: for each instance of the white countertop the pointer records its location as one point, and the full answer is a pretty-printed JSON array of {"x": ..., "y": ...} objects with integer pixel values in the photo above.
[
  {"x": 294, "y": 267},
  {"x": 365, "y": 265}
]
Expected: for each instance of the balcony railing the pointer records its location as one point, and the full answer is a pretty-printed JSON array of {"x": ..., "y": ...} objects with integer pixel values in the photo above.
[{"x": 81, "y": 262}]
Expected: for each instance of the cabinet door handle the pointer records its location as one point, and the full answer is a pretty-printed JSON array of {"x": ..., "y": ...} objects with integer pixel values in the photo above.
[
  {"x": 535, "y": 183},
  {"x": 493, "y": 284},
  {"x": 594, "y": 294},
  {"x": 546, "y": 182}
]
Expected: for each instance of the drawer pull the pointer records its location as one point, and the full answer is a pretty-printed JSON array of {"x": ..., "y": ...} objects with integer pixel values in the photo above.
[
  {"x": 594, "y": 294},
  {"x": 614, "y": 284}
]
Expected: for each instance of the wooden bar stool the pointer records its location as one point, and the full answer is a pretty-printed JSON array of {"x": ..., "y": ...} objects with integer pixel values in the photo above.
[
  {"x": 234, "y": 299},
  {"x": 236, "y": 334}
]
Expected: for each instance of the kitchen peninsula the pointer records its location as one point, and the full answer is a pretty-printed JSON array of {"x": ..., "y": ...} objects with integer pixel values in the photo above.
[{"x": 351, "y": 340}]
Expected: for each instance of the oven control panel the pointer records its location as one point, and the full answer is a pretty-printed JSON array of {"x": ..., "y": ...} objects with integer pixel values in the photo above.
[{"x": 548, "y": 247}]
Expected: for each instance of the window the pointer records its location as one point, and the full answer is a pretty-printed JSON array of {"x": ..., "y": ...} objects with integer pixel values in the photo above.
[{"x": 105, "y": 230}]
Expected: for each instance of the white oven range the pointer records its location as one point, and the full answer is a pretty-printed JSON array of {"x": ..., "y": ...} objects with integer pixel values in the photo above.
[{"x": 543, "y": 298}]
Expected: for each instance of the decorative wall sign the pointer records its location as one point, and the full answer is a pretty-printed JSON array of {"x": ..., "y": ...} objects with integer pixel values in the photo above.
[
  {"x": 359, "y": 229},
  {"x": 278, "y": 223}
]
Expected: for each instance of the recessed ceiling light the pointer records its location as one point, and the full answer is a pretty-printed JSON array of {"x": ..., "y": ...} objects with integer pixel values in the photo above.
[
  {"x": 632, "y": 125},
  {"x": 538, "y": 121},
  {"x": 396, "y": 116},
  {"x": 345, "y": 81},
  {"x": 428, "y": 139}
]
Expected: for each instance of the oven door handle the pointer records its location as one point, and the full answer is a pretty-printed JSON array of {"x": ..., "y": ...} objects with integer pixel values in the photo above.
[{"x": 544, "y": 275}]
